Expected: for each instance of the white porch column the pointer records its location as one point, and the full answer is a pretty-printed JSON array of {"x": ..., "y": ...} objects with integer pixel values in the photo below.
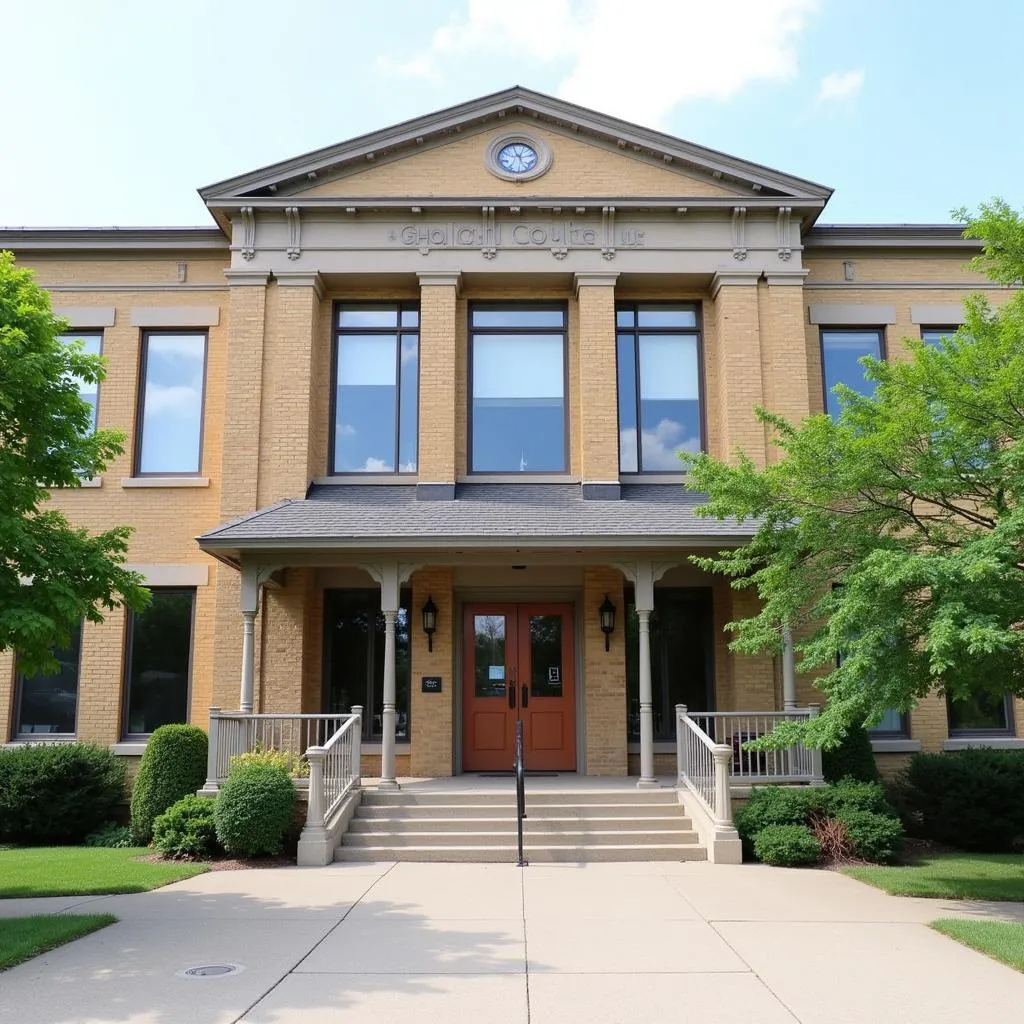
[
  {"x": 644, "y": 574},
  {"x": 390, "y": 576},
  {"x": 788, "y": 670},
  {"x": 254, "y": 578}
]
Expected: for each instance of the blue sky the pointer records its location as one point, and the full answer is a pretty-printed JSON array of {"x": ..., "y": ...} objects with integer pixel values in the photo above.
[{"x": 118, "y": 111}]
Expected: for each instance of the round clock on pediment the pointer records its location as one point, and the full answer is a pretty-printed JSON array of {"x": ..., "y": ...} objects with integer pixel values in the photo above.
[{"x": 516, "y": 157}]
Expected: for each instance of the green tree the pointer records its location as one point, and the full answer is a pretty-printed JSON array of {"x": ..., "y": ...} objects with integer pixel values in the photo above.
[
  {"x": 51, "y": 574},
  {"x": 896, "y": 534}
]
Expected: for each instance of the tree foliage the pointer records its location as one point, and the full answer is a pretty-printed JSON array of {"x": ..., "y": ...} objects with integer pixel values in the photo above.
[
  {"x": 896, "y": 534},
  {"x": 52, "y": 575}
]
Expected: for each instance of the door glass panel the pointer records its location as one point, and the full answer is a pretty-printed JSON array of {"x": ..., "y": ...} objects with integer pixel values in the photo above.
[
  {"x": 546, "y": 656},
  {"x": 489, "y": 655}
]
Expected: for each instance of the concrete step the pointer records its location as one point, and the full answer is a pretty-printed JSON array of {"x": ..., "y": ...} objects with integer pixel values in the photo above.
[
  {"x": 636, "y": 797},
  {"x": 536, "y": 854},
  {"x": 533, "y": 823},
  {"x": 507, "y": 811},
  {"x": 570, "y": 837}
]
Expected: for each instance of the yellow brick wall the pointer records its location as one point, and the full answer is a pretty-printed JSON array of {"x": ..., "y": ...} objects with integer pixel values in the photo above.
[
  {"x": 439, "y": 310},
  {"x": 432, "y": 714},
  {"x": 604, "y": 676},
  {"x": 597, "y": 393}
]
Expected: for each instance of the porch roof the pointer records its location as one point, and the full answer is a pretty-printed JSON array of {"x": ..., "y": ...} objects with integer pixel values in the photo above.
[{"x": 481, "y": 515}]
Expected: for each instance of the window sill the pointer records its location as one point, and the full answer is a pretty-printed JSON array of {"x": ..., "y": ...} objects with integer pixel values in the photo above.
[
  {"x": 129, "y": 748},
  {"x": 517, "y": 478},
  {"x": 364, "y": 479},
  {"x": 896, "y": 745},
  {"x": 89, "y": 481},
  {"x": 996, "y": 742},
  {"x": 32, "y": 738},
  {"x": 165, "y": 481}
]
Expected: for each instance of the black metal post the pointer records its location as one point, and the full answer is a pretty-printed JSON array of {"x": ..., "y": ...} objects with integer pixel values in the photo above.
[{"x": 520, "y": 770}]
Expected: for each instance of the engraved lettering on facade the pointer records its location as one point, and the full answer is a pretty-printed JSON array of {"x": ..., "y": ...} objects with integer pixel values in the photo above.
[{"x": 558, "y": 233}]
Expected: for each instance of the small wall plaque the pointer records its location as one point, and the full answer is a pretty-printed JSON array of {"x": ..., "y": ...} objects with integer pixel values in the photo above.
[{"x": 430, "y": 684}]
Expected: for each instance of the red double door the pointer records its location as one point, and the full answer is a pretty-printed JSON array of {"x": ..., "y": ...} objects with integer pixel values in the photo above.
[{"x": 518, "y": 665}]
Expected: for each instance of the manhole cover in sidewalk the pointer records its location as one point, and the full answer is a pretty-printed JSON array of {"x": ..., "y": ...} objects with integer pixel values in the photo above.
[{"x": 211, "y": 971}]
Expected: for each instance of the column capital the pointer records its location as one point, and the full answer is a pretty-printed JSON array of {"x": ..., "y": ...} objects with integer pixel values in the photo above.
[
  {"x": 727, "y": 277},
  {"x": 248, "y": 278},
  {"x": 594, "y": 279},
  {"x": 643, "y": 575},
  {"x": 300, "y": 279},
  {"x": 442, "y": 278},
  {"x": 390, "y": 576},
  {"x": 781, "y": 278}
]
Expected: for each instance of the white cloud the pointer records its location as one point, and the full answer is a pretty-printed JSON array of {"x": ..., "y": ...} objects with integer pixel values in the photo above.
[
  {"x": 637, "y": 60},
  {"x": 840, "y": 85},
  {"x": 661, "y": 446},
  {"x": 375, "y": 465}
]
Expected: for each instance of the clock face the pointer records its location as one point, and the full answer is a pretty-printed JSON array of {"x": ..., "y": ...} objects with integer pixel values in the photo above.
[{"x": 517, "y": 158}]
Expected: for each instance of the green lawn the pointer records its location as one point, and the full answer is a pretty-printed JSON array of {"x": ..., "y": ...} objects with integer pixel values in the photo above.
[
  {"x": 997, "y": 939},
  {"x": 84, "y": 871},
  {"x": 958, "y": 876},
  {"x": 22, "y": 938}
]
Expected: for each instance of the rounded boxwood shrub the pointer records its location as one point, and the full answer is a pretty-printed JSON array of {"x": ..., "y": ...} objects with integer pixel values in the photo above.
[
  {"x": 787, "y": 845},
  {"x": 874, "y": 837},
  {"x": 57, "y": 793},
  {"x": 254, "y": 809},
  {"x": 187, "y": 829},
  {"x": 970, "y": 799},
  {"x": 173, "y": 766},
  {"x": 850, "y": 795},
  {"x": 851, "y": 759},
  {"x": 776, "y": 805}
]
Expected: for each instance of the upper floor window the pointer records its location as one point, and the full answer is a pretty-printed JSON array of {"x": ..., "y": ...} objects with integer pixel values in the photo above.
[
  {"x": 159, "y": 660},
  {"x": 933, "y": 335},
  {"x": 517, "y": 388},
  {"x": 48, "y": 703},
  {"x": 892, "y": 725},
  {"x": 170, "y": 420},
  {"x": 841, "y": 351},
  {"x": 659, "y": 371},
  {"x": 980, "y": 714},
  {"x": 376, "y": 388},
  {"x": 92, "y": 343}
]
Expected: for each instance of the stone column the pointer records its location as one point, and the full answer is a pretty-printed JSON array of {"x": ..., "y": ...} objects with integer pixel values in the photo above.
[
  {"x": 248, "y": 655},
  {"x": 597, "y": 396},
  {"x": 788, "y": 670},
  {"x": 438, "y": 437}
]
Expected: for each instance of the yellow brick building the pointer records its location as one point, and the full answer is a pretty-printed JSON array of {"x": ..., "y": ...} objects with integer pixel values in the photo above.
[{"x": 403, "y": 429}]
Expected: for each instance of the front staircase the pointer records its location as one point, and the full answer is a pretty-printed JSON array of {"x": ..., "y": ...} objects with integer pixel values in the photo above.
[{"x": 562, "y": 825}]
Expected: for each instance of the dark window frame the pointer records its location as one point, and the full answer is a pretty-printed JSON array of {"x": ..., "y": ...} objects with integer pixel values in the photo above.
[
  {"x": 541, "y": 304},
  {"x": 903, "y": 733},
  {"x": 369, "y": 684},
  {"x": 140, "y": 401},
  {"x": 129, "y": 654},
  {"x": 946, "y": 330},
  {"x": 635, "y": 331},
  {"x": 397, "y": 332},
  {"x": 1009, "y": 729},
  {"x": 883, "y": 352},
  {"x": 91, "y": 332},
  {"x": 16, "y": 732}
]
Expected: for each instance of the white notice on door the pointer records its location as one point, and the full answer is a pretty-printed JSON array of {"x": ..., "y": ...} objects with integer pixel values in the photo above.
[{"x": 495, "y": 671}]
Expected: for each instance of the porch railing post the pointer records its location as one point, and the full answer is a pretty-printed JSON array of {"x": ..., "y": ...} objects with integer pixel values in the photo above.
[
  {"x": 211, "y": 785},
  {"x": 723, "y": 797},
  {"x": 817, "y": 771},
  {"x": 357, "y": 745},
  {"x": 680, "y": 739},
  {"x": 314, "y": 827}
]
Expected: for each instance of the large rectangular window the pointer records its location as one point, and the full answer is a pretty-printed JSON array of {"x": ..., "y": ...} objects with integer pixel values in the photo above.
[
  {"x": 659, "y": 374},
  {"x": 892, "y": 725},
  {"x": 841, "y": 351},
  {"x": 517, "y": 387},
  {"x": 981, "y": 714},
  {"x": 376, "y": 388},
  {"x": 92, "y": 342},
  {"x": 682, "y": 660},
  {"x": 48, "y": 703},
  {"x": 170, "y": 418},
  {"x": 933, "y": 336},
  {"x": 158, "y": 663},
  {"x": 354, "y": 656}
]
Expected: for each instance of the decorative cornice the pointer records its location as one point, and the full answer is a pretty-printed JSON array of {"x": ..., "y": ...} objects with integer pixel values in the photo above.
[
  {"x": 594, "y": 279},
  {"x": 884, "y": 236},
  {"x": 739, "y": 232},
  {"x": 300, "y": 279},
  {"x": 251, "y": 278},
  {"x": 775, "y": 278},
  {"x": 727, "y": 277},
  {"x": 447, "y": 278},
  {"x": 248, "y": 248},
  {"x": 24, "y": 239},
  {"x": 294, "y": 250}
]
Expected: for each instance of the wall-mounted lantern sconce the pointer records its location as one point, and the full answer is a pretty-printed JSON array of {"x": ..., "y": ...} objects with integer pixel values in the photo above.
[
  {"x": 430, "y": 622},
  {"x": 607, "y": 613}
]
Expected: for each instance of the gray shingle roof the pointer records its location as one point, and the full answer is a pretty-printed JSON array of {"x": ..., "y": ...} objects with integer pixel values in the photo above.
[{"x": 483, "y": 513}]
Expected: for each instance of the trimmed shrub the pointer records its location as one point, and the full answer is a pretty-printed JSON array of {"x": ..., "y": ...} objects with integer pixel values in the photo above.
[
  {"x": 874, "y": 837},
  {"x": 51, "y": 794},
  {"x": 254, "y": 809},
  {"x": 852, "y": 759},
  {"x": 787, "y": 845},
  {"x": 112, "y": 837},
  {"x": 297, "y": 767},
  {"x": 187, "y": 829},
  {"x": 970, "y": 799},
  {"x": 173, "y": 766},
  {"x": 776, "y": 805},
  {"x": 850, "y": 795}
]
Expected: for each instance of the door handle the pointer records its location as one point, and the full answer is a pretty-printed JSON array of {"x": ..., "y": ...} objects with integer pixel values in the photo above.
[
  {"x": 512, "y": 696},
  {"x": 526, "y": 696}
]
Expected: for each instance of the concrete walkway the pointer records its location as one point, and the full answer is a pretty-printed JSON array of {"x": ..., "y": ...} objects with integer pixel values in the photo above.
[{"x": 601, "y": 943}]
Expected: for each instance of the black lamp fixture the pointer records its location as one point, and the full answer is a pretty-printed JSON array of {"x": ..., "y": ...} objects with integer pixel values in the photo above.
[
  {"x": 430, "y": 621},
  {"x": 607, "y": 613}
]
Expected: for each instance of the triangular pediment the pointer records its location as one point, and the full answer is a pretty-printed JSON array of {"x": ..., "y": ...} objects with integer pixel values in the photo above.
[{"x": 443, "y": 155}]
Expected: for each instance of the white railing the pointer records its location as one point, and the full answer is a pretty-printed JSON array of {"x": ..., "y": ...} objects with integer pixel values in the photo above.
[
  {"x": 703, "y": 767},
  {"x": 734, "y": 729},
  {"x": 333, "y": 774},
  {"x": 233, "y": 733}
]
